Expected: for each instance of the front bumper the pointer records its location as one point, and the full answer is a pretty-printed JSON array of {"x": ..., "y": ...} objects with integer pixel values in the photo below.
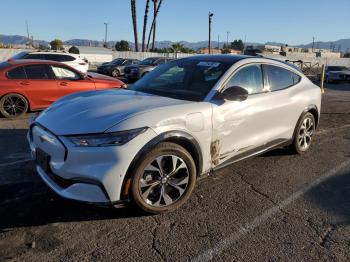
[
  {"x": 91, "y": 174},
  {"x": 132, "y": 75}
]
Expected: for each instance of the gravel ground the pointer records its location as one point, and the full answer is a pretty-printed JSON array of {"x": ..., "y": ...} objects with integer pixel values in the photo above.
[{"x": 274, "y": 207}]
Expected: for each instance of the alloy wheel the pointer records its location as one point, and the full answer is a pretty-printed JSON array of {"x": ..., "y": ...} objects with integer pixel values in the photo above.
[
  {"x": 14, "y": 106},
  {"x": 305, "y": 134},
  {"x": 164, "y": 181}
]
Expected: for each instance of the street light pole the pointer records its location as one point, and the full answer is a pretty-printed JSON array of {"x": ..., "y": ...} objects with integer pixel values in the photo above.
[
  {"x": 209, "y": 44},
  {"x": 227, "y": 34},
  {"x": 106, "y": 25}
]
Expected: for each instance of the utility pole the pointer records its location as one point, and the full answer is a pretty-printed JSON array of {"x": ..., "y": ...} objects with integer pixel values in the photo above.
[
  {"x": 227, "y": 35},
  {"x": 210, "y": 15},
  {"x": 28, "y": 36},
  {"x": 218, "y": 42},
  {"x": 313, "y": 44},
  {"x": 106, "y": 30}
]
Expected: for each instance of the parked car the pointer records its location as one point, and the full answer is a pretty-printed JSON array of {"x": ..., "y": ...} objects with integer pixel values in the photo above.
[
  {"x": 181, "y": 121},
  {"x": 71, "y": 60},
  {"x": 116, "y": 67},
  {"x": 28, "y": 85},
  {"x": 135, "y": 72},
  {"x": 335, "y": 74}
]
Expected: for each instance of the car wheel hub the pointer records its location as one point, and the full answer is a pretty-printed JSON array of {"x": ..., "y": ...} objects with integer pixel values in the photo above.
[
  {"x": 164, "y": 181},
  {"x": 306, "y": 132}
]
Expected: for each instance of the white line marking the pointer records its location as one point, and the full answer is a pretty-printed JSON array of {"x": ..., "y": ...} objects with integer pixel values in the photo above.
[
  {"x": 248, "y": 227},
  {"x": 15, "y": 162}
]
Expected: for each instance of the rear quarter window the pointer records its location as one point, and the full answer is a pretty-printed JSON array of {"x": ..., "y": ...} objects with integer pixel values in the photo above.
[
  {"x": 16, "y": 73},
  {"x": 280, "y": 78}
]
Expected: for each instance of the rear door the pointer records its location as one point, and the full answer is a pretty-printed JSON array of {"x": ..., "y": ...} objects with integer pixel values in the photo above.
[
  {"x": 40, "y": 85},
  {"x": 69, "y": 81}
]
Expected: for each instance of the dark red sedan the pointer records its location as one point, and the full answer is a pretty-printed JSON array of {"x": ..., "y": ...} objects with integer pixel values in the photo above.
[{"x": 29, "y": 85}]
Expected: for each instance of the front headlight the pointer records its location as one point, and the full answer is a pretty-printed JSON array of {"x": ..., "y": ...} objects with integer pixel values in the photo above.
[{"x": 106, "y": 139}]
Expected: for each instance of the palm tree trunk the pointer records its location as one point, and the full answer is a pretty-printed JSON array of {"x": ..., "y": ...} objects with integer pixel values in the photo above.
[
  {"x": 134, "y": 23},
  {"x": 144, "y": 26},
  {"x": 155, "y": 23}
]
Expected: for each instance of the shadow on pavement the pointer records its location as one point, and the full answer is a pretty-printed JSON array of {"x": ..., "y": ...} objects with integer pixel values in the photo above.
[
  {"x": 333, "y": 196},
  {"x": 33, "y": 203}
]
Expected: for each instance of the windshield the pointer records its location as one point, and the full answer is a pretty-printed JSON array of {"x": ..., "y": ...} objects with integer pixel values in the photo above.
[
  {"x": 148, "y": 61},
  {"x": 185, "y": 79},
  {"x": 19, "y": 55},
  {"x": 337, "y": 68},
  {"x": 118, "y": 61}
]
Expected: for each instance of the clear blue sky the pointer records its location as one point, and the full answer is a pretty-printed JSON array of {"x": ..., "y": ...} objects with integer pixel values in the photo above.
[{"x": 292, "y": 22}]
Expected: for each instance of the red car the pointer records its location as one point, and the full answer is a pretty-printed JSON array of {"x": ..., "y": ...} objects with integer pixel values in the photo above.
[{"x": 29, "y": 85}]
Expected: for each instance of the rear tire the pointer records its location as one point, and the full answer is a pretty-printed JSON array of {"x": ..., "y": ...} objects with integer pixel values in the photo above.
[
  {"x": 303, "y": 134},
  {"x": 163, "y": 179},
  {"x": 13, "y": 105}
]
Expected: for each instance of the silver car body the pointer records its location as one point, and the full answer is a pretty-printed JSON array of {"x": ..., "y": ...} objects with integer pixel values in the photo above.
[{"x": 220, "y": 132}]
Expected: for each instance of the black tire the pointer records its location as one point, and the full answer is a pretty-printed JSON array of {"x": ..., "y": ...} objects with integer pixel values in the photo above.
[
  {"x": 301, "y": 141},
  {"x": 13, "y": 105},
  {"x": 150, "y": 190},
  {"x": 115, "y": 73}
]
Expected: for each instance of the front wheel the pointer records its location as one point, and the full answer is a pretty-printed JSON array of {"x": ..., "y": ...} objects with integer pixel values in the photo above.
[
  {"x": 303, "y": 134},
  {"x": 164, "y": 179},
  {"x": 13, "y": 105},
  {"x": 115, "y": 73}
]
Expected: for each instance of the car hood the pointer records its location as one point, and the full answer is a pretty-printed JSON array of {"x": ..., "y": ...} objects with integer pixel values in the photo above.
[
  {"x": 139, "y": 66},
  {"x": 97, "y": 111}
]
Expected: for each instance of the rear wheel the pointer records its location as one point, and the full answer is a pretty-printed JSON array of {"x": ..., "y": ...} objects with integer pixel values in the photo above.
[
  {"x": 303, "y": 134},
  {"x": 13, "y": 105},
  {"x": 164, "y": 179}
]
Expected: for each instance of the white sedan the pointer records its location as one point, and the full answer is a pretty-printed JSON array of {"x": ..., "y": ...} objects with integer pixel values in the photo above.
[{"x": 186, "y": 118}]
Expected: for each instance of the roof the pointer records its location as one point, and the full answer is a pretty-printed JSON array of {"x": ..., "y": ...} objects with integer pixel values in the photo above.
[
  {"x": 219, "y": 58},
  {"x": 94, "y": 50}
]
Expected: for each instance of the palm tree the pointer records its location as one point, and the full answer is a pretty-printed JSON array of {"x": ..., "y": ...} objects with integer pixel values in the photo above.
[
  {"x": 134, "y": 23},
  {"x": 177, "y": 47},
  {"x": 155, "y": 23},
  {"x": 145, "y": 25}
]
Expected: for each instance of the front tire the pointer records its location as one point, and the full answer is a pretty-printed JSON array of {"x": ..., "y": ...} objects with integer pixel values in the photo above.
[
  {"x": 115, "y": 73},
  {"x": 303, "y": 134},
  {"x": 164, "y": 179},
  {"x": 13, "y": 105}
]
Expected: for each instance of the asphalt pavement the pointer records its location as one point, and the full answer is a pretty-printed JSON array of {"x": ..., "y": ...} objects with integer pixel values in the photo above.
[{"x": 273, "y": 207}]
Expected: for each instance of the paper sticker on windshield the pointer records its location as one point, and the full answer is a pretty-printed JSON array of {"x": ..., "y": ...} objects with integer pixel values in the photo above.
[{"x": 208, "y": 64}]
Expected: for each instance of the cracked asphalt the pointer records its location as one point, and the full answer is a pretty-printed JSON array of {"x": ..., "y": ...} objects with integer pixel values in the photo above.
[{"x": 273, "y": 207}]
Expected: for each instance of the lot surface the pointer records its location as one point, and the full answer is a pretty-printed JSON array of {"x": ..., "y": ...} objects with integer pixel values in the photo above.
[{"x": 274, "y": 207}]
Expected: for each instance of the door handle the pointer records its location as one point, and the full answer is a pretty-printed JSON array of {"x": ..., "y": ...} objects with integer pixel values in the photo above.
[
  {"x": 63, "y": 83},
  {"x": 25, "y": 83}
]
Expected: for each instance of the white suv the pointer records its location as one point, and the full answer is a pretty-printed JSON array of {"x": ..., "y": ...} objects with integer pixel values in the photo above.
[
  {"x": 184, "y": 119},
  {"x": 71, "y": 60}
]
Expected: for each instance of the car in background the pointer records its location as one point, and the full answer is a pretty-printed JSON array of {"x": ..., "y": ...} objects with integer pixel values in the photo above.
[
  {"x": 29, "y": 85},
  {"x": 185, "y": 119},
  {"x": 336, "y": 74},
  {"x": 116, "y": 67},
  {"x": 71, "y": 60},
  {"x": 135, "y": 72}
]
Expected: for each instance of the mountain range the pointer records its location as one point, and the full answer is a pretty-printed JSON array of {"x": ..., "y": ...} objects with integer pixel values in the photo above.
[{"x": 341, "y": 45}]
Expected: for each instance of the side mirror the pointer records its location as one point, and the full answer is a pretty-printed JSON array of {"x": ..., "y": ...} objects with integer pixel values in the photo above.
[{"x": 235, "y": 93}]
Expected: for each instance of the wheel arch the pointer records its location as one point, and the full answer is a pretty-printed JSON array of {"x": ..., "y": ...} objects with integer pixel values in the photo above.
[
  {"x": 181, "y": 138},
  {"x": 314, "y": 111}
]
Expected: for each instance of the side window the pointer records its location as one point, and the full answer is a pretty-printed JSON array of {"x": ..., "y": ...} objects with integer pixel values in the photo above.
[
  {"x": 17, "y": 73},
  {"x": 37, "y": 72},
  {"x": 35, "y": 56},
  {"x": 250, "y": 78},
  {"x": 63, "y": 73},
  {"x": 280, "y": 78},
  {"x": 66, "y": 58}
]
